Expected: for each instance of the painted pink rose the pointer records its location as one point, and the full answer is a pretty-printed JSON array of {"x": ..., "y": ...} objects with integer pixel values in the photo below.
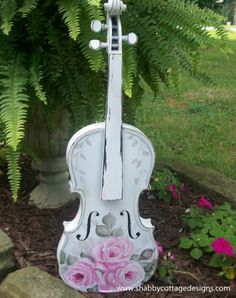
[
  {"x": 222, "y": 246},
  {"x": 83, "y": 274},
  {"x": 130, "y": 275},
  {"x": 112, "y": 252}
]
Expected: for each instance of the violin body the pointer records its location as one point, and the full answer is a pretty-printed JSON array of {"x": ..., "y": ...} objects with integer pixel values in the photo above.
[{"x": 108, "y": 246}]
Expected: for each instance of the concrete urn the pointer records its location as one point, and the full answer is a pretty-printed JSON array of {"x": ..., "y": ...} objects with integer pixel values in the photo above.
[{"x": 48, "y": 141}]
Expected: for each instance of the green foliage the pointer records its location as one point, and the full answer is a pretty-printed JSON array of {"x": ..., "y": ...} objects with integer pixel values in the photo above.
[
  {"x": 212, "y": 4},
  {"x": 14, "y": 174},
  {"x": 36, "y": 75},
  {"x": 7, "y": 12},
  {"x": 205, "y": 228},
  {"x": 161, "y": 180},
  {"x": 166, "y": 269},
  {"x": 27, "y": 6},
  {"x": 60, "y": 70},
  {"x": 13, "y": 100},
  {"x": 70, "y": 11}
]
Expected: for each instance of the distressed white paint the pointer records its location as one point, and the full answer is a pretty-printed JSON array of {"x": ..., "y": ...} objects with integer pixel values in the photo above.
[
  {"x": 85, "y": 160},
  {"x": 110, "y": 164},
  {"x": 113, "y": 169}
]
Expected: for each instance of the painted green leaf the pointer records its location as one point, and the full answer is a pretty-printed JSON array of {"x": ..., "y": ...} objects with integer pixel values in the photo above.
[
  {"x": 117, "y": 232},
  {"x": 102, "y": 231},
  {"x": 71, "y": 260},
  {"x": 147, "y": 266},
  {"x": 185, "y": 243},
  {"x": 84, "y": 255},
  {"x": 135, "y": 258},
  {"x": 146, "y": 254},
  {"x": 196, "y": 253},
  {"x": 109, "y": 220},
  {"x": 94, "y": 289},
  {"x": 216, "y": 260},
  {"x": 62, "y": 257}
]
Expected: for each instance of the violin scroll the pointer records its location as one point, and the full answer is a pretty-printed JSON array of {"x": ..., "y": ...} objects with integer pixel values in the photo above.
[{"x": 115, "y": 7}]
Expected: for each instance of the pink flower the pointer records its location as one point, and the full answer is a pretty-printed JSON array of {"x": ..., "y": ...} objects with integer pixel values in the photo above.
[
  {"x": 172, "y": 187},
  {"x": 130, "y": 275},
  {"x": 175, "y": 195},
  {"x": 222, "y": 246},
  {"x": 205, "y": 203},
  {"x": 171, "y": 256},
  {"x": 184, "y": 188},
  {"x": 159, "y": 247},
  {"x": 112, "y": 252},
  {"x": 82, "y": 274}
]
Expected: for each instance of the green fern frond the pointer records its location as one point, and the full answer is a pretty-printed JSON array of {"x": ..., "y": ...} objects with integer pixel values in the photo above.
[
  {"x": 36, "y": 76},
  {"x": 129, "y": 68},
  {"x": 70, "y": 11},
  {"x": 13, "y": 100},
  {"x": 27, "y": 7},
  {"x": 94, "y": 9},
  {"x": 8, "y": 10},
  {"x": 95, "y": 2},
  {"x": 95, "y": 59},
  {"x": 14, "y": 174}
]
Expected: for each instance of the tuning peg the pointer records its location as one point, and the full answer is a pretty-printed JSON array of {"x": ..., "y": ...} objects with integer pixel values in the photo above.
[
  {"x": 97, "y": 26},
  {"x": 96, "y": 44},
  {"x": 131, "y": 38}
]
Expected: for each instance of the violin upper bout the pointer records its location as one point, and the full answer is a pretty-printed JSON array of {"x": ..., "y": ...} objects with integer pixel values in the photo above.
[
  {"x": 85, "y": 159},
  {"x": 138, "y": 159}
]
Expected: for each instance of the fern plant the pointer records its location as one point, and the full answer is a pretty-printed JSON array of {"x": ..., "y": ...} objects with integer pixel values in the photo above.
[{"x": 44, "y": 56}]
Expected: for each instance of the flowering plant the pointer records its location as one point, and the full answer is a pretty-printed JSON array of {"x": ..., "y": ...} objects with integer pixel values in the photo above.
[
  {"x": 205, "y": 203},
  {"x": 167, "y": 264},
  {"x": 212, "y": 232},
  {"x": 167, "y": 186},
  {"x": 224, "y": 257}
]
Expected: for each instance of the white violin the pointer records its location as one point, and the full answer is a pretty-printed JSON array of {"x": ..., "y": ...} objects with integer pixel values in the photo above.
[{"x": 108, "y": 246}]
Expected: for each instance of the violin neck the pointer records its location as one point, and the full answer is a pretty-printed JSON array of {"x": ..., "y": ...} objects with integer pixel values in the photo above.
[
  {"x": 112, "y": 174},
  {"x": 114, "y": 95}
]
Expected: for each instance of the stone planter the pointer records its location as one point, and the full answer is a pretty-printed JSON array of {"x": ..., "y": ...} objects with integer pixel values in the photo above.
[{"x": 48, "y": 143}]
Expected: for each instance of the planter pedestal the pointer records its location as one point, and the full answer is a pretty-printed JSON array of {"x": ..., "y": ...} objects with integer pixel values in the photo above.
[
  {"x": 53, "y": 190},
  {"x": 48, "y": 143}
]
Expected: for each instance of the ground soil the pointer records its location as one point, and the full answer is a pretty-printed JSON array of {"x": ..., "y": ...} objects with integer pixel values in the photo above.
[{"x": 35, "y": 234}]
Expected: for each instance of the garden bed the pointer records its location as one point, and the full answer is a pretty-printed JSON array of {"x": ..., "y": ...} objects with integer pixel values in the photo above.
[{"x": 36, "y": 233}]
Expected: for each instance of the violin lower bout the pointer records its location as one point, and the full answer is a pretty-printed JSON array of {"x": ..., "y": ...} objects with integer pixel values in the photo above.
[{"x": 108, "y": 247}]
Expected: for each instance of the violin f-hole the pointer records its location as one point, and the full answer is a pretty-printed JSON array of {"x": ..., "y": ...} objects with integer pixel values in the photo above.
[
  {"x": 129, "y": 224},
  {"x": 88, "y": 226}
]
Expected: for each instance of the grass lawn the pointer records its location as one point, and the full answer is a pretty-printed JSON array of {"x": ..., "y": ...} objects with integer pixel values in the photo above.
[{"x": 199, "y": 126}]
